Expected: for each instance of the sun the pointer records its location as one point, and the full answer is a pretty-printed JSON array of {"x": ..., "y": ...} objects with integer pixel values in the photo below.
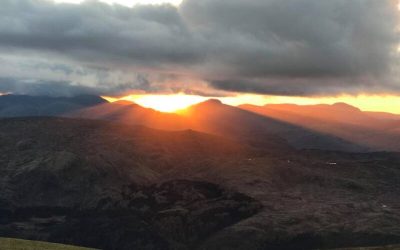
[{"x": 163, "y": 103}]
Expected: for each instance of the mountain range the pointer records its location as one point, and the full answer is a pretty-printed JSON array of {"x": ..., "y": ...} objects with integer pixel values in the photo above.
[
  {"x": 24, "y": 105},
  {"x": 339, "y": 127},
  {"x": 378, "y": 131},
  {"x": 212, "y": 176}
]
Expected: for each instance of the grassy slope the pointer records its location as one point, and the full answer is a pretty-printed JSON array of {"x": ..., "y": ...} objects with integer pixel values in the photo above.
[
  {"x": 391, "y": 247},
  {"x": 16, "y": 244}
]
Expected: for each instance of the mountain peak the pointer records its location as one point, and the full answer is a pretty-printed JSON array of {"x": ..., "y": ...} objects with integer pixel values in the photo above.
[
  {"x": 344, "y": 105},
  {"x": 213, "y": 102},
  {"x": 208, "y": 103}
]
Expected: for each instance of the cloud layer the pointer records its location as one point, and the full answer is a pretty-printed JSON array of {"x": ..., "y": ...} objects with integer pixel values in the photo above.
[{"x": 281, "y": 47}]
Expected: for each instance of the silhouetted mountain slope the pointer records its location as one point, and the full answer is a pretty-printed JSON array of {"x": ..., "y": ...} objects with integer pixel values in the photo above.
[
  {"x": 383, "y": 115},
  {"x": 107, "y": 185},
  {"x": 214, "y": 117},
  {"x": 130, "y": 113},
  {"x": 209, "y": 117},
  {"x": 340, "y": 120},
  {"x": 21, "y": 105},
  {"x": 341, "y": 113}
]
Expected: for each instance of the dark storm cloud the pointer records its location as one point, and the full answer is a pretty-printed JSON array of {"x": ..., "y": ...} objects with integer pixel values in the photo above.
[
  {"x": 36, "y": 87},
  {"x": 291, "y": 47},
  {"x": 96, "y": 31},
  {"x": 47, "y": 88},
  {"x": 306, "y": 87},
  {"x": 299, "y": 47},
  {"x": 299, "y": 38}
]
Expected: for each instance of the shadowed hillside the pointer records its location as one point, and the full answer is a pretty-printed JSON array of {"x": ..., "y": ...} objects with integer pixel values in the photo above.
[
  {"x": 130, "y": 187},
  {"x": 60, "y": 175},
  {"x": 210, "y": 117},
  {"x": 375, "y": 130},
  {"x": 216, "y": 118}
]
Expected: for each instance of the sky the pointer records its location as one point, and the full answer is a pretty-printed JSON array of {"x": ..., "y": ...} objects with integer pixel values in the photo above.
[
  {"x": 128, "y": 3},
  {"x": 255, "y": 51}
]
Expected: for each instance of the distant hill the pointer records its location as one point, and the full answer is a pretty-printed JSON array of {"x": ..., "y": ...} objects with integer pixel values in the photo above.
[
  {"x": 338, "y": 127},
  {"x": 341, "y": 113},
  {"x": 383, "y": 115},
  {"x": 130, "y": 113},
  {"x": 374, "y": 130},
  {"x": 23, "y": 106},
  {"x": 216, "y": 118}
]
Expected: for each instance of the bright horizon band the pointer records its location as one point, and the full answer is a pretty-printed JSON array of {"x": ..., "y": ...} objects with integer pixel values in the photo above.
[{"x": 174, "y": 102}]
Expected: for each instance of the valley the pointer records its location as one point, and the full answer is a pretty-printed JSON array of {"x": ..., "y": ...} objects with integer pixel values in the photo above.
[{"x": 127, "y": 187}]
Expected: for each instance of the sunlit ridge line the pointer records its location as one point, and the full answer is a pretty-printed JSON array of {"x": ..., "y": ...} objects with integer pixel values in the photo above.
[{"x": 375, "y": 103}]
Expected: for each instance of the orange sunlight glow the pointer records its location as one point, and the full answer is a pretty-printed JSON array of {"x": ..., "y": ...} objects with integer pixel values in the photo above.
[
  {"x": 376, "y": 103},
  {"x": 175, "y": 102},
  {"x": 164, "y": 103}
]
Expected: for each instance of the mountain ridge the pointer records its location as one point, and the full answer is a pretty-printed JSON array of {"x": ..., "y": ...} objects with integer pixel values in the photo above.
[
  {"x": 25, "y": 105},
  {"x": 343, "y": 121},
  {"x": 212, "y": 116}
]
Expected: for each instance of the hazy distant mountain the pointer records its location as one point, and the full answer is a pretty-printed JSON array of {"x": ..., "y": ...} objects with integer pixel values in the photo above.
[
  {"x": 216, "y": 118},
  {"x": 337, "y": 127},
  {"x": 375, "y": 130},
  {"x": 383, "y": 115},
  {"x": 341, "y": 113},
  {"x": 22, "y": 105},
  {"x": 113, "y": 186}
]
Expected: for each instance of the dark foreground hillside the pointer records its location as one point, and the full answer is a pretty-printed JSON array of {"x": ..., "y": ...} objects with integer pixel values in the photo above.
[{"x": 111, "y": 186}]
